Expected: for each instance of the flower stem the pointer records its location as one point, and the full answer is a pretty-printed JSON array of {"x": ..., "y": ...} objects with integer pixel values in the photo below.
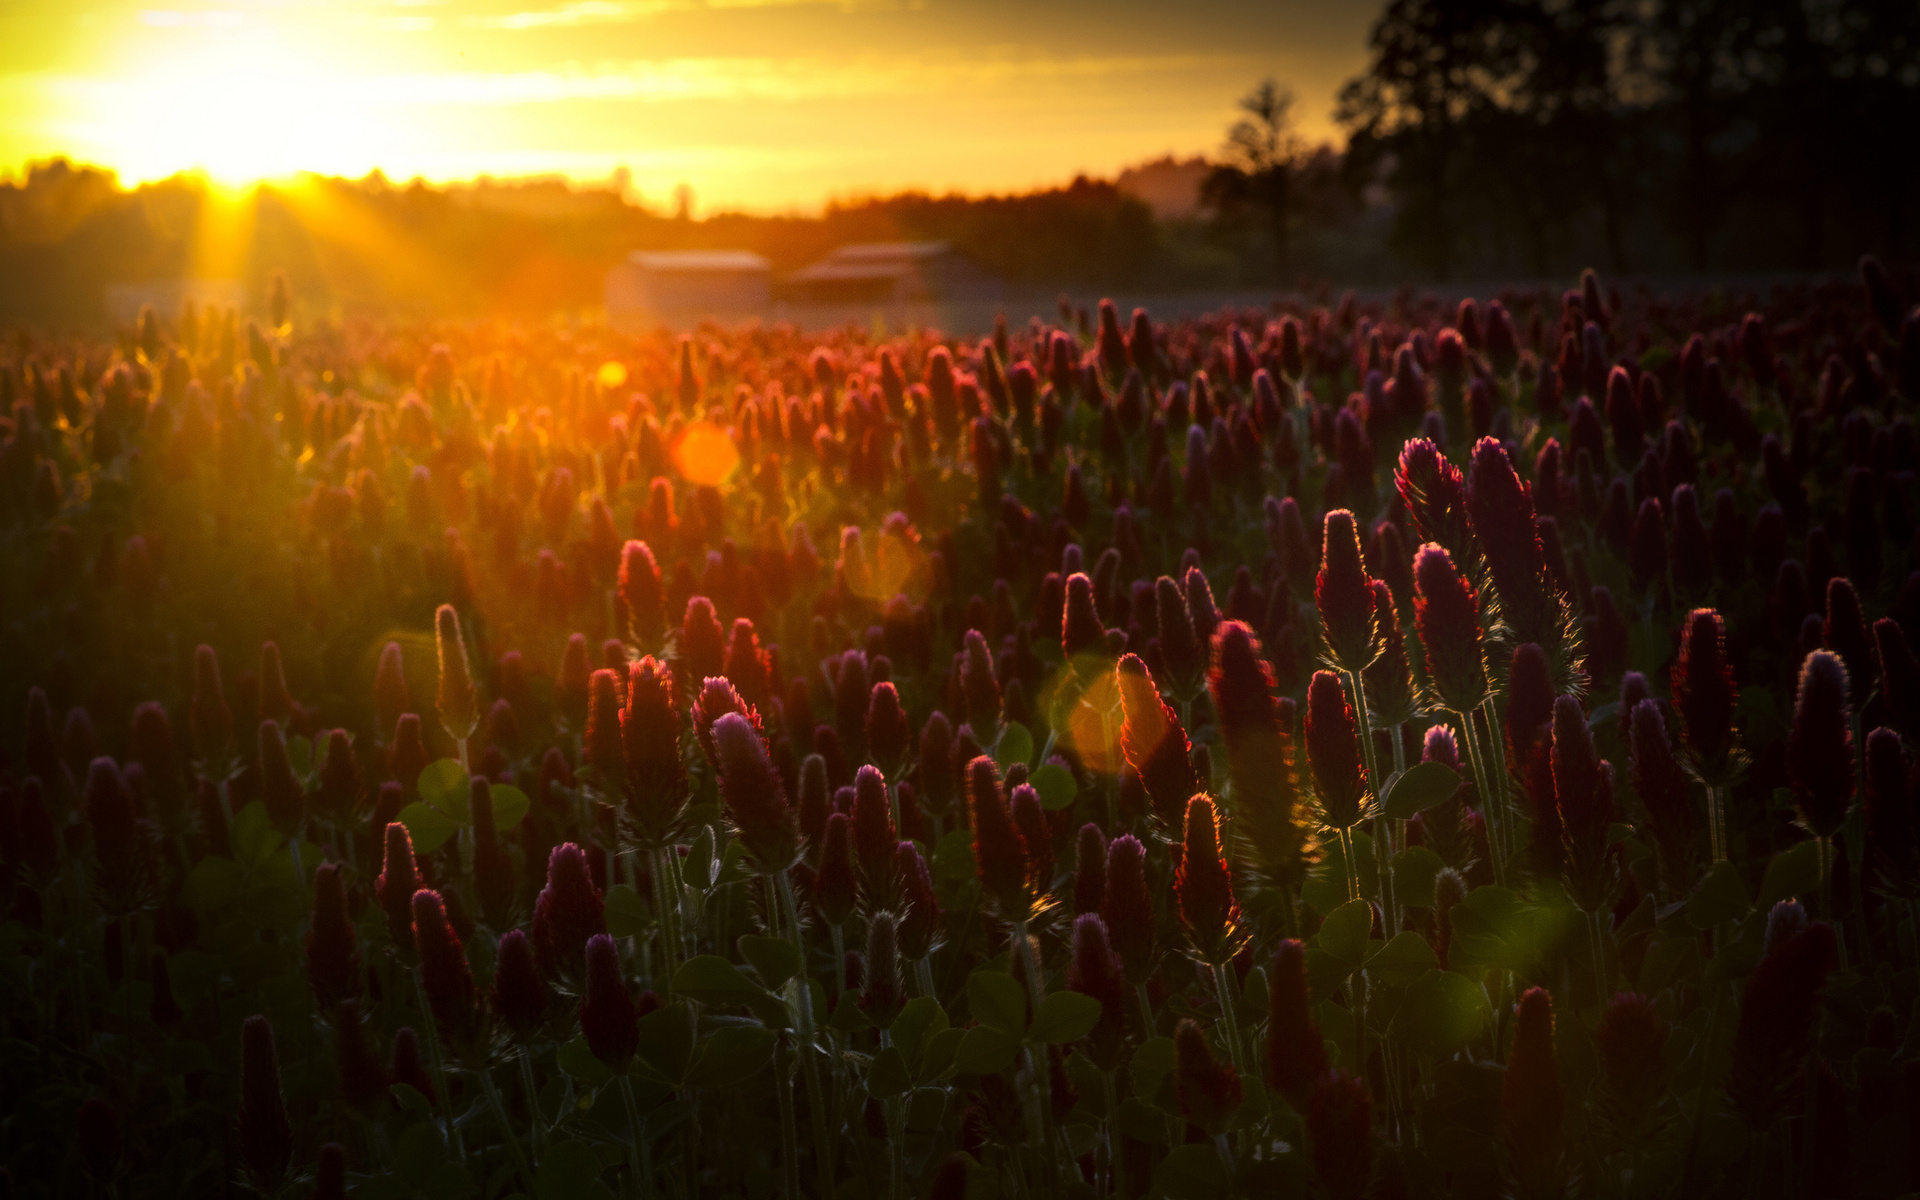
[
  {"x": 638, "y": 1155},
  {"x": 1223, "y": 987},
  {"x": 439, "y": 1067},
  {"x": 519, "y": 1153},
  {"x": 789, "y": 1128},
  {"x": 533, "y": 1101}
]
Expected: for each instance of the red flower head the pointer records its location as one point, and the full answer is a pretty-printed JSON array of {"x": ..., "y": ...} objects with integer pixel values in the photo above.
[
  {"x": 333, "y": 949},
  {"x": 1889, "y": 809},
  {"x": 1662, "y": 787},
  {"x": 754, "y": 797},
  {"x": 1178, "y": 641},
  {"x": 1435, "y": 494},
  {"x": 889, "y": 734},
  {"x": 1154, "y": 743},
  {"x": 1089, "y": 869},
  {"x": 608, "y": 1017},
  {"x": 572, "y": 685},
  {"x": 455, "y": 700},
  {"x": 1203, "y": 884},
  {"x": 1704, "y": 695},
  {"x": 1583, "y": 795},
  {"x": 746, "y": 665},
  {"x": 409, "y": 1067},
  {"x": 600, "y": 745},
  {"x": 1820, "y": 745},
  {"x": 1446, "y": 615},
  {"x": 1344, "y": 594},
  {"x": 407, "y": 754},
  {"x": 1209, "y": 1090},
  {"x": 150, "y": 740},
  {"x": 640, "y": 590},
  {"x": 1533, "y": 1103},
  {"x": 656, "y": 779},
  {"x": 1501, "y": 506},
  {"x": 364, "y": 1080},
  {"x": 852, "y": 693},
  {"x": 399, "y": 880},
  {"x": 520, "y": 997},
  {"x": 834, "y": 890},
  {"x": 1333, "y": 750},
  {"x": 873, "y": 834},
  {"x": 1258, "y": 732},
  {"x": 1000, "y": 853},
  {"x": 568, "y": 911},
  {"x": 936, "y": 773},
  {"x": 1776, "y": 1029},
  {"x": 445, "y": 975},
  {"x": 703, "y": 643},
  {"x": 1340, "y": 1133},
  {"x": 715, "y": 699},
  {"x": 119, "y": 839},
  {"x": 1030, "y": 818},
  {"x": 978, "y": 687},
  {"x": 1530, "y": 696},
  {"x": 1082, "y": 633},
  {"x": 1128, "y": 907},
  {"x": 208, "y": 717},
  {"x": 266, "y": 1135},
  {"x": 921, "y": 924},
  {"x": 1296, "y": 1051},
  {"x": 1095, "y": 971}
]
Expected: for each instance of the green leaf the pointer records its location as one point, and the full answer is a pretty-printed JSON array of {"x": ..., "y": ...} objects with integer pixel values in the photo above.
[
  {"x": 1413, "y": 872},
  {"x": 937, "y": 1053},
  {"x": 627, "y": 912},
  {"x": 252, "y": 836},
  {"x": 1055, "y": 785},
  {"x": 921, "y": 1018},
  {"x": 443, "y": 785},
  {"x": 1192, "y": 1172},
  {"x": 1422, "y": 786},
  {"x": 569, "y": 1170},
  {"x": 510, "y": 804},
  {"x": 985, "y": 1051},
  {"x": 714, "y": 980},
  {"x": 701, "y": 865},
  {"x": 1441, "y": 1013},
  {"x": 1015, "y": 745},
  {"x": 667, "y": 1041},
  {"x": 410, "y": 1100},
  {"x": 429, "y": 827},
  {"x": 300, "y": 756},
  {"x": 1345, "y": 931},
  {"x": 888, "y": 1076},
  {"x": 848, "y": 1016},
  {"x": 1152, "y": 1066},
  {"x": 997, "y": 1001},
  {"x": 1403, "y": 960},
  {"x": 776, "y": 959},
  {"x": 1720, "y": 898},
  {"x": 953, "y": 857},
  {"x": 731, "y": 1055},
  {"x": 215, "y": 880},
  {"x": 1794, "y": 871},
  {"x": 419, "y": 1152},
  {"x": 1490, "y": 928},
  {"x": 576, "y": 1060},
  {"x": 1064, "y": 1017}
]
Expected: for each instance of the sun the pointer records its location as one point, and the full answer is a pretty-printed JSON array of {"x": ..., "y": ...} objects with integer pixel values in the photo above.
[{"x": 241, "y": 106}]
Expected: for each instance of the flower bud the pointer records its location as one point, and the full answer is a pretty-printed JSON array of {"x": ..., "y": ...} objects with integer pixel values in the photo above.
[
  {"x": 1209, "y": 1091},
  {"x": 1704, "y": 695},
  {"x": 1000, "y": 853},
  {"x": 834, "y": 890},
  {"x": 333, "y": 949},
  {"x": 883, "y": 992},
  {"x": 444, "y": 973},
  {"x": 1154, "y": 743},
  {"x": 399, "y": 880},
  {"x": 572, "y": 684},
  {"x": 266, "y": 1136},
  {"x": 519, "y": 995},
  {"x": 607, "y": 1014},
  {"x": 1662, "y": 787},
  {"x": 600, "y": 744},
  {"x": 1333, "y": 751},
  {"x": 640, "y": 591},
  {"x": 568, "y": 911},
  {"x": 753, "y": 795},
  {"x": 703, "y": 644},
  {"x": 1820, "y": 745},
  {"x": 1203, "y": 884},
  {"x": 1344, "y": 594},
  {"x": 1339, "y": 1123},
  {"x": 1533, "y": 1102},
  {"x": 978, "y": 687},
  {"x": 656, "y": 774},
  {"x": 455, "y": 700},
  {"x": 1446, "y": 615},
  {"x": 1296, "y": 1052},
  {"x": 889, "y": 734},
  {"x": 1128, "y": 907},
  {"x": 1775, "y": 1033}
]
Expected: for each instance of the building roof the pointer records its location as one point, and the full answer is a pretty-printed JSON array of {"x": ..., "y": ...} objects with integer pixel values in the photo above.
[
  {"x": 698, "y": 260},
  {"x": 871, "y": 260}
]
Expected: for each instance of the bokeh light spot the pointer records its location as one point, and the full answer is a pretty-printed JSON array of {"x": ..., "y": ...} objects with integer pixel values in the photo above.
[
  {"x": 705, "y": 454},
  {"x": 612, "y": 374}
]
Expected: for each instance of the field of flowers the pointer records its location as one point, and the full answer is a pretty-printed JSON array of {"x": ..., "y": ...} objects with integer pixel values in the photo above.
[{"x": 1380, "y": 750}]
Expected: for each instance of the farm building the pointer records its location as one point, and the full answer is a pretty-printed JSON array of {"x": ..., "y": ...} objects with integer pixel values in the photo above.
[
  {"x": 891, "y": 272},
  {"x": 682, "y": 283}
]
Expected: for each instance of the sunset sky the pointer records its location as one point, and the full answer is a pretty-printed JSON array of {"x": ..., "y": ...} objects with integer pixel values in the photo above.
[{"x": 757, "y": 104}]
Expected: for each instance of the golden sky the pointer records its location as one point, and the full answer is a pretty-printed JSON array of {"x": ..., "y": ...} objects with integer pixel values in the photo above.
[{"x": 757, "y": 104}]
